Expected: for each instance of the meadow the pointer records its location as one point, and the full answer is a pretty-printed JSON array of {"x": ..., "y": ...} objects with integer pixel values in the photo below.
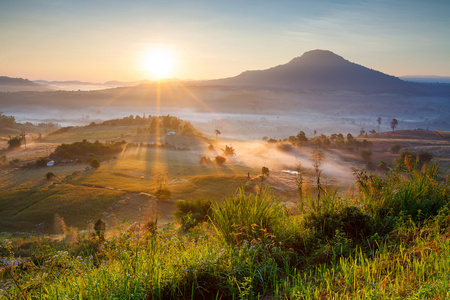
[
  {"x": 178, "y": 226},
  {"x": 384, "y": 243}
]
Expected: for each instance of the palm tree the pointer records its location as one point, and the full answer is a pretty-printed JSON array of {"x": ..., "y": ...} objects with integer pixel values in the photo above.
[{"x": 379, "y": 123}]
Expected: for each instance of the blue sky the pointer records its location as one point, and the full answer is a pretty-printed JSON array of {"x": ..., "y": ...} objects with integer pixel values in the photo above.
[{"x": 107, "y": 39}]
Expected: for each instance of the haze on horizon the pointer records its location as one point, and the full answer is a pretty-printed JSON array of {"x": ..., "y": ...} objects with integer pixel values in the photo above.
[{"x": 110, "y": 40}]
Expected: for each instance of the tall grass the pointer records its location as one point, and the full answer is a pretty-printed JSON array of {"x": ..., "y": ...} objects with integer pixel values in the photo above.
[
  {"x": 249, "y": 217},
  {"x": 339, "y": 248}
]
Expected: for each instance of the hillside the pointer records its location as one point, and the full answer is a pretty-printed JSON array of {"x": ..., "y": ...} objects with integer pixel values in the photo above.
[{"x": 9, "y": 84}]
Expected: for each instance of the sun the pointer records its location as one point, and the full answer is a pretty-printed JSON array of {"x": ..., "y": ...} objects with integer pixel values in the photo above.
[{"x": 159, "y": 63}]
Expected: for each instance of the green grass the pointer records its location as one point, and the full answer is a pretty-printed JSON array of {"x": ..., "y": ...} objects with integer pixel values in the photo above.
[
  {"x": 135, "y": 171},
  {"x": 91, "y": 133},
  {"x": 23, "y": 210},
  {"x": 35, "y": 177},
  {"x": 138, "y": 170},
  {"x": 252, "y": 249}
]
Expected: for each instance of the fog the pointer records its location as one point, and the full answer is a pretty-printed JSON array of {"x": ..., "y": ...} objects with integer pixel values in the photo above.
[{"x": 238, "y": 113}]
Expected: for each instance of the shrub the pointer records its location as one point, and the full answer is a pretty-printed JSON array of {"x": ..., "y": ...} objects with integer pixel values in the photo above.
[
  {"x": 42, "y": 162},
  {"x": 382, "y": 167},
  {"x": 349, "y": 220},
  {"x": 206, "y": 161},
  {"x": 395, "y": 148},
  {"x": 414, "y": 194},
  {"x": 424, "y": 156},
  {"x": 15, "y": 142},
  {"x": 250, "y": 218},
  {"x": 49, "y": 175},
  {"x": 366, "y": 154},
  {"x": 95, "y": 163},
  {"x": 220, "y": 160},
  {"x": 192, "y": 212}
]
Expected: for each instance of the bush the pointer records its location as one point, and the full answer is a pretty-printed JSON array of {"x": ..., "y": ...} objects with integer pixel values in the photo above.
[
  {"x": 192, "y": 212},
  {"x": 95, "y": 163},
  {"x": 415, "y": 194},
  {"x": 206, "y": 161},
  {"x": 15, "y": 142},
  {"x": 424, "y": 156},
  {"x": 220, "y": 160},
  {"x": 349, "y": 220},
  {"x": 366, "y": 154},
  {"x": 395, "y": 148},
  {"x": 42, "y": 162},
  {"x": 249, "y": 217},
  {"x": 49, "y": 175}
]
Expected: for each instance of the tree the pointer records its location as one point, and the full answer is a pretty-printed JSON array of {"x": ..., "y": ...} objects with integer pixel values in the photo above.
[
  {"x": 361, "y": 132},
  {"x": 219, "y": 160},
  {"x": 379, "y": 123},
  {"x": 265, "y": 171},
  {"x": 301, "y": 137},
  {"x": 394, "y": 124},
  {"x": 217, "y": 132},
  {"x": 229, "y": 151},
  {"x": 95, "y": 163},
  {"x": 15, "y": 142}
]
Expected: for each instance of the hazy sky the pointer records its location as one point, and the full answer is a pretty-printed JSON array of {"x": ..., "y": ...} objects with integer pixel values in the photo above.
[{"x": 107, "y": 39}]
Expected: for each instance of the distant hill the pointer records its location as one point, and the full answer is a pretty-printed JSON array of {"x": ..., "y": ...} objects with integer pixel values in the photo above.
[
  {"x": 9, "y": 84},
  {"x": 426, "y": 79},
  {"x": 323, "y": 71}
]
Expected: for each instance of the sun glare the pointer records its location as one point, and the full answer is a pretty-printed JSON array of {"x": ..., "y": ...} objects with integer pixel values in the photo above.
[{"x": 159, "y": 63}]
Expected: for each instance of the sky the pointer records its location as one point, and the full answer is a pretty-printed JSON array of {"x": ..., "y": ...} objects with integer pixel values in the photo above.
[{"x": 102, "y": 40}]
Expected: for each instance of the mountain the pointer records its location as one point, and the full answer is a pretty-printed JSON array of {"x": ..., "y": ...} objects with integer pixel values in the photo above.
[
  {"x": 9, "y": 84},
  {"x": 322, "y": 71}
]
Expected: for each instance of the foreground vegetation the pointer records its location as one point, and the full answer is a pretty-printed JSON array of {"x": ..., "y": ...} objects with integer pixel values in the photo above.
[{"x": 390, "y": 242}]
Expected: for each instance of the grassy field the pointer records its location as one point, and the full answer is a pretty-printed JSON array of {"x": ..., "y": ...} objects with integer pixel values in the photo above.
[
  {"x": 23, "y": 210},
  {"x": 139, "y": 170},
  {"x": 389, "y": 242}
]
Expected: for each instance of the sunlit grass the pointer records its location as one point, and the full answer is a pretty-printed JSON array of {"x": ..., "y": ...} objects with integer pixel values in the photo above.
[
  {"x": 23, "y": 210},
  {"x": 35, "y": 177}
]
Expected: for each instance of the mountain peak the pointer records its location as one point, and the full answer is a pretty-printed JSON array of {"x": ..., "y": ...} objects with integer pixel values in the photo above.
[{"x": 318, "y": 57}]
